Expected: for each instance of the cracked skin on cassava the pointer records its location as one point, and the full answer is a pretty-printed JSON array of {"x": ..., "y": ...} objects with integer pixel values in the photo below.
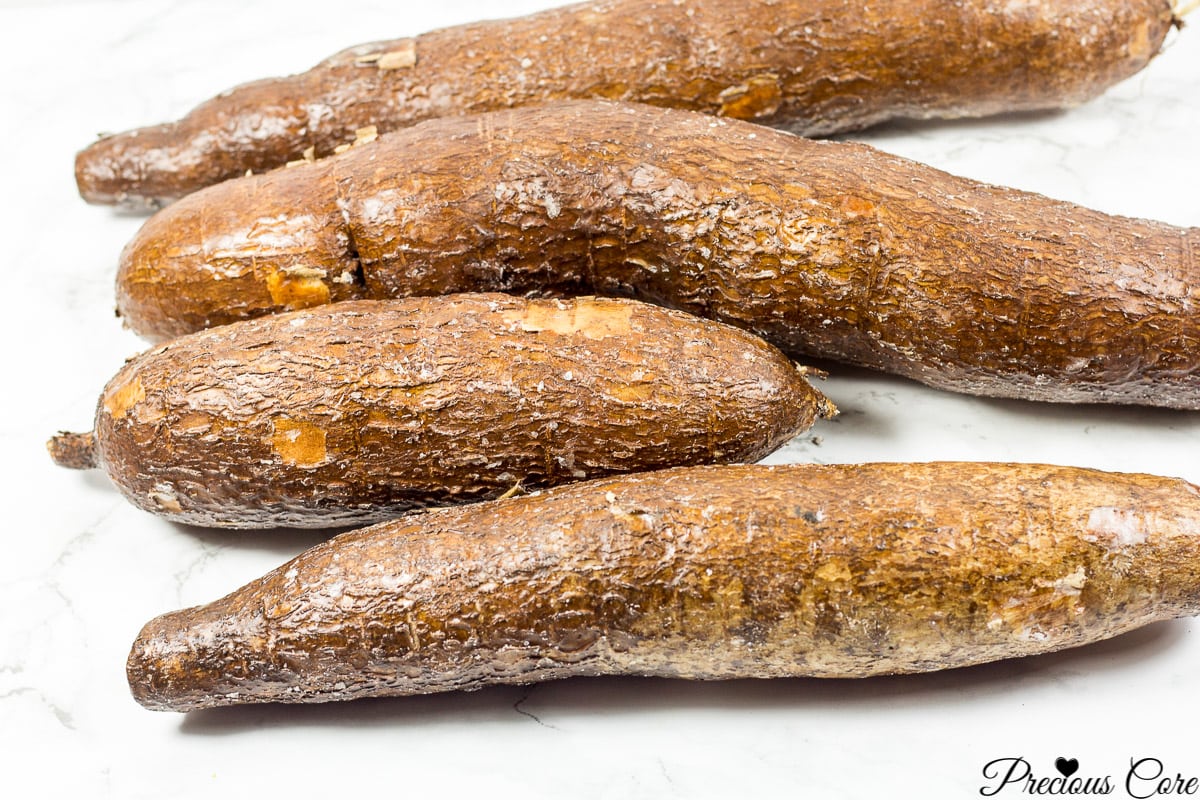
[
  {"x": 702, "y": 572},
  {"x": 354, "y": 412},
  {"x": 809, "y": 66},
  {"x": 825, "y": 249}
]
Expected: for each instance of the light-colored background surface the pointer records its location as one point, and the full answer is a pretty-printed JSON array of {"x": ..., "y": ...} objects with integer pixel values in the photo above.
[{"x": 81, "y": 570}]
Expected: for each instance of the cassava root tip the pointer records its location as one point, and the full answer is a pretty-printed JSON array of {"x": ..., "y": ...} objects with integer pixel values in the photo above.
[{"x": 73, "y": 450}]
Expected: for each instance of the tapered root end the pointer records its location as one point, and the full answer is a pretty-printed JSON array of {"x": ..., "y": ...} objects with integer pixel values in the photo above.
[
  {"x": 1181, "y": 8},
  {"x": 112, "y": 170},
  {"x": 825, "y": 407},
  {"x": 74, "y": 450},
  {"x": 203, "y": 657},
  {"x": 99, "y": 173},
  {"x": 144, "y": 667}
]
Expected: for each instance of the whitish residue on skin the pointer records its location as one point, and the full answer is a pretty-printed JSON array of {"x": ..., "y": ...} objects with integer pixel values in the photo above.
[
  {"x": 528, "y": 193},
  {"x": 1121, "y": 526},
  {"x": 274, "y": 234}
]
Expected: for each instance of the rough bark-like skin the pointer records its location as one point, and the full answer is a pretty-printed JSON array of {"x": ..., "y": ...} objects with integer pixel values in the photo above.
[
  {"x": 356, "y": 412},
  {"x": 812, "y": 66},
  {"x": 825, "y": 249},
  {"x": 707, "y": 572}
]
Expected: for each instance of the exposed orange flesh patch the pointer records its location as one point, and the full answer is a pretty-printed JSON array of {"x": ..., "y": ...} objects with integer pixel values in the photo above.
[
  {"x": 123, "y": 397},
  {"x": 595, "y": 320},
  {"x": 857, "y": 206},
  {"x": 760, "y": 96},
  {"x": 642, "y": 392},
  {"x": 1141, "y": 48},
  {"x": 298, "y": 287},
  {"x": 300, "y": 444}
]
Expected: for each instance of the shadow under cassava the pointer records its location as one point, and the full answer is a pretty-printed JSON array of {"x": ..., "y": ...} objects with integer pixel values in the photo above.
[
  {"x": 284, "y": 542},
  {"x": 906, "y": 126}
]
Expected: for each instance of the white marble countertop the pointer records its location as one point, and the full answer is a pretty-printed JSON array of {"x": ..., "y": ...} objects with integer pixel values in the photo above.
[{"x": 82, "y": 570}]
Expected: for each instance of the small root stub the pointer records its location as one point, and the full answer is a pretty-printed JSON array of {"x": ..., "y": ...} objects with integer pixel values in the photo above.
[
  {"x": 516, "y": 491},
  {"x": 73, "y": 450}
]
